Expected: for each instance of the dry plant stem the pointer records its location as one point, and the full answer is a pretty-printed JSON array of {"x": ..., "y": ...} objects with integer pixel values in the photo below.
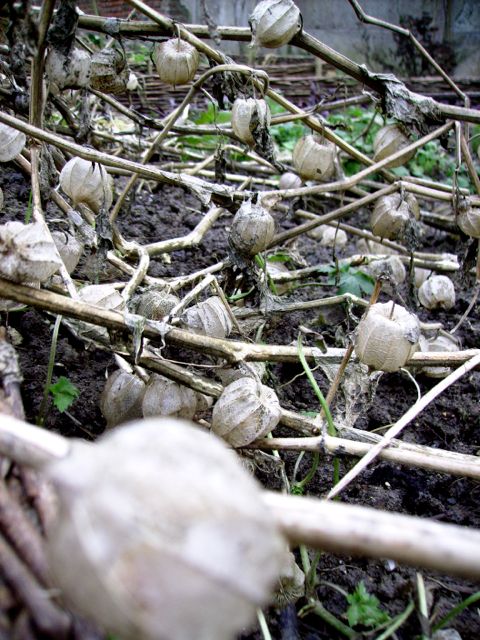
[
  {"x": 361, "y": 15},
  {"x": 129, "y": 270},
  {"x": 469, "y": 162},
  {"x": 355, "y": 530},
  {"x": 36, "y": 89},
  {"x": 220, "y": 192},
  {"x": 48, "y": 618},
  {"x": 22, "y": 535},
  {"x": 403, "y": 422},
  {"x": 421, "y": 457},
  {"x": 232, "y": 351},
  {"x": 289, "y": 307},
  {"x": 139, "y": 273}
]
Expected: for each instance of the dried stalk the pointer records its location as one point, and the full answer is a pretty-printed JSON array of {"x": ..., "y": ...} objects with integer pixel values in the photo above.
[{"x": 354, "y": 530}]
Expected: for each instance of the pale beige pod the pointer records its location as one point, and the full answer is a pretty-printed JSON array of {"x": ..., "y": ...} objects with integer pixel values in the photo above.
[
  {"x": 69, "y": 248},
  {"x": 165, "y": 397},
  {"x": 392, "y": 214},
  {"x": 252, "y": 229},
  {"x": 176, "y": 61},
  {"x": 314, "y": 158},
  {"x": 330, "y": 236},
  {"x": 108, "y": 72},
  {"x": 99, "y": 295},
  {"x": 438, "y": 292},
  {"x": 274, "y": 23},
  {"x": 246, "y": 410},
  {"x": 248, "y": 114},
  {"x": 290, "y": 180},
  {"x": 442, "y": 343},
  {"x": 291, "y": 585},
  {"x": 155, "y": 303},
  {"x": 468, "y": 219},
  {"x": 12, "y": 142},
  {"x": 27, "y": 252},
  {"x": 390, "y": 140},
  {"x": 391, "y": 268},
  {"x": 387, "y": 336},
  {"x": 161, "y": 534},
  {"x": 70, "y": 71},
  {"x": 121, "y": 398},
  {"x": 208, "y": 318},
  {"x": 87, "y": 183}
]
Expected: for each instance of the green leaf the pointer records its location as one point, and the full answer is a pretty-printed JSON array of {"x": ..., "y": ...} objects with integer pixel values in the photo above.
[
  {"x": 64, "y": 393},
  {"x": 364, "y": 608}
]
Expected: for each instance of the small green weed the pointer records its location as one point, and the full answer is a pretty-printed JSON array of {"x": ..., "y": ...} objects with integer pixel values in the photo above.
[
  {"x": 64, "y": 393},
  {"x": 364, "y": 608}
]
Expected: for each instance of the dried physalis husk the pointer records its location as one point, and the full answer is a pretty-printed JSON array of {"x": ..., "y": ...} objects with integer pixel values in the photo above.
[
  {"x": 155, "y": 303},
  {"x": 438, "y": 292},
  {"x": 468, "y": 219},
  {"x": 165, "y": 397},
  {"x": 314, "y": 158},
  {"x": 387, "y": 337},
  {"x": 27, "y": 252},
  {"x": 248, "y": 115},
  {"x": 368, "y": 247},
  {"x": 208, "y": 318},
  {"x": 12, "y": 142},
  {"x": 391, "y": 268},
  {"x": 420, "y": 275},
  {"x": 291, "y": 585},
  {"x": 69, "y": 248},
  {"x": 255, "y": 370},
  {"x": 121, "y": 398},
  {"x": 274, "y": 23},
  {"x": 176, "y": 61},
  {"x": 70, "y": 71},
  {"x": 161, "y": 534},
  {"x": 392, "y": 214},
  {"x": 108, "y": 72},
  {"x": 390, "y": 140},
  {"x": 442, "y": 343},
  {"x": 252, "y": 229},
  {"x": 329, "y": 236},
  {"x": 87, "y": 183},
  {"x": 99, "y": 295},
  {"x": 290, "y": 180},
  {"x": 246, "y": 410}
]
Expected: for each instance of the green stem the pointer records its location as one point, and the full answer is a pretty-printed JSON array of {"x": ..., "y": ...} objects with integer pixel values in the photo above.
[
  {"x": 262, "y": 623},
  {"x": 456, "y": 610},
  {"x": 397, "y": 622},
  {"x": 43, "y": 411},
  {"x": 260, "y": 262},
  {"x": 318, "y": 609}
]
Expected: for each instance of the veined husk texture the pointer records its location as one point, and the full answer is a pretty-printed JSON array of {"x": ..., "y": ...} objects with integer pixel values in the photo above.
[
  {"x": 70, "y": 71},
  {"x": 388, "y": 141},
  {"x": 252, "y": 229},
  {"x": 387, "y": 336},
  {"x": 392, "y": 214},
  {"x": 12, "y": 142},
  {"x": 246, "y": 410},
  {"x": 121, "y": 398},
  {"x": 162, "y": 534},
  {"x": 108, "y": 72},
  {"x": 87, "y": 183},
  {"x": 27, "y": 252},
  {"x": 314, "y": 158},
  {"x": 468, "y": 219},
  {"x": 274, "y": 23},
  {"x": 176, "y": 61},
  {"x": 247, "y": 114},
  {"x": 437, "y": 292},
  {"x": 208, "y": 318},
  {"x": 165, "y": 397}
]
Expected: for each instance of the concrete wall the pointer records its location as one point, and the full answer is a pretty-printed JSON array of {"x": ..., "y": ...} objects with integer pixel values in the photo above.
[{"x": 456, "y": 24}]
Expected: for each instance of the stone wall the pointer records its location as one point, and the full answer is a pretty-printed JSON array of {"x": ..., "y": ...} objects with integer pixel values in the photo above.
[{"x": 451, "y": 29}]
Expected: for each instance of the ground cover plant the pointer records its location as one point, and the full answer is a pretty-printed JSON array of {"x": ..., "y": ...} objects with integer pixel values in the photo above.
[{"x": 256, "y": 290}]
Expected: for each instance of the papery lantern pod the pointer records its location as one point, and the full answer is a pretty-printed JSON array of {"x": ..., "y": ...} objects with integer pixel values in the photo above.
[
  {"x": 208, "y": 318},
  {"x": 437, "y": 292},
  {"x": 27, "y": 252},
  {"x": 387, "y": 336},
  {"x": 12, "y": 142},
  {"x": 69, "y": 248},
  {"x": 121, "y": 398},
  {"x": 420, "y": 275},
  {"x": 100, "y": 295},
  {"x": 255, "y": 370},
  {"x": 274, "y": 23},
  {"x": 391, "y": 267},
  {"x": 108, "y": 72},
  {"x": 468, "y": 219},
  {"x": 248, "y": 114},
  {"x": 291, "y": 585},
  {"x": 155, "y": 303},
  {"x": 246, "y": 410},
  {"x": 314, "y": 158},
  {"x": 161, "y": 534},
  {"x": 392, "y": 214},
  {"x": 442, "y": 343},
  {"x": 388, "y": 141},
  {"x": 70, "y": 71},
  {"x": 290, "y": 180},
  {"x": 87, "y": 183},
  {"x": 252, "y": 229},
  {"x": 329, "y": 236},
  {"x": 176, "y": 61},
  {"x": 165, "y": 397}
]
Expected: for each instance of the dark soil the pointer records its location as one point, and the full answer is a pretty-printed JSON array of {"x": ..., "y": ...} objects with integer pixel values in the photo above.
[{"x": 451, "y": 422}]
